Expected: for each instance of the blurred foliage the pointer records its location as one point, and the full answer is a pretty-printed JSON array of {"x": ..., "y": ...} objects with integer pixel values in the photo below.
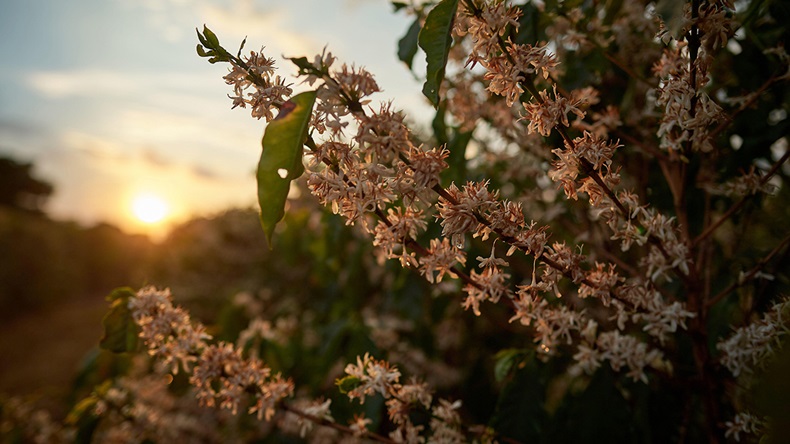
[
  {"x": 44, "y": 262},
  {"x": 19, "y": 188}
]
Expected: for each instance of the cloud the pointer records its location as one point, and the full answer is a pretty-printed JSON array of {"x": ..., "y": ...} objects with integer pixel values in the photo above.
[
  {"x": 111, "y": 173},
  {"x": 154, "y": 158},
  {"x": 273, "y": 27},
  {"x": 103, "y": 83},
  {"x": 204, "y": 172}
]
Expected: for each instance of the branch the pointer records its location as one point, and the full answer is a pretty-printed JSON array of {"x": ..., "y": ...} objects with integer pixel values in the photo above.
[
  {"x": 331, "y": 424},
  {"x": 733, "y": 209},
  {"x": 750, "y": 275}
]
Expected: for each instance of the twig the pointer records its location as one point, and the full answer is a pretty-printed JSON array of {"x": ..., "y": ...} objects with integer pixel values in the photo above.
[
  {"x": 331, "y": 424},
  {"x": 750, "y": 275},
  {"x": 733, "y": 209}
]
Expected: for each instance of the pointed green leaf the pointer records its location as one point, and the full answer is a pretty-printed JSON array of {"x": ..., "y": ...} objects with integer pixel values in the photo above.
[
  {"x": 281, "y": 159},
  {"x": 243, "y": 42},
  {"x": 399, "y": 5},
  {"x": 304, "y": 65},
  {"x": 435, "y": 39},
  {"x": 120, "y": 330},
  {"x": 407, "y": 46},
  {"x": 505, "y": 361},
  {"x": 211, "y": 38},
  {"x": 201, "y": 51},
  {"x": 209, "y": 47}
]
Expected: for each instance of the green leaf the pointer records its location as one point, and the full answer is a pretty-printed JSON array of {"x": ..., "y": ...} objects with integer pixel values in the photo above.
[
  {"x": 435, "y": 39},
  {"x": 347, "y": 383},
  {"x": 439, "y": 126},
  {"x": 671, "y": 12},
  {"x": 583, "y": 419},
  {"x": 281, "y": 159},
  {"x": 84, "y": 419},
  {"x": 520, "y": 412},
  {"x": 202, "y": 51},
  {"x": 772, "y": 391},
  {"x": 243, "y": 42},
  {"x": 82, "y": 409},
  {"x": 303, "y": 64},
  {"x": 399, "y": 5},
  {"x": 457, "y": 159},
  {"x": 120, "y": 330},
  {"x": 456, "y": 142},
  {"x": 211, "y": 38},
  {"x": 209, "y": 47},
  {"x": 505, "y": 360},
  {"x": 407, "y": 46}
]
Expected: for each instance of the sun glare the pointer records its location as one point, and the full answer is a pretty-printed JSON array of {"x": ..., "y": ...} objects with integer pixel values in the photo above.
[{"x": 150, "y": 209}]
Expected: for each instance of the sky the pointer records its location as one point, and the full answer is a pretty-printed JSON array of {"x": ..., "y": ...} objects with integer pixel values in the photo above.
[{"x": 109, "y": 99}]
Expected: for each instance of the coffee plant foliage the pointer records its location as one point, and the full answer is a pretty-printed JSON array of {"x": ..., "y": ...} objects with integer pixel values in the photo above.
[{"x": 585, "y": 242}]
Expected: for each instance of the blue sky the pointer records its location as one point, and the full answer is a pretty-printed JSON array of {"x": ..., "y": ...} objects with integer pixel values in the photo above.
[{"x": 109, "y": 98}]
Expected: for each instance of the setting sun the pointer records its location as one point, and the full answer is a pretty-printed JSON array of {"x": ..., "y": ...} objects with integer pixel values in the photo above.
[{"x": 149, "y": 208}]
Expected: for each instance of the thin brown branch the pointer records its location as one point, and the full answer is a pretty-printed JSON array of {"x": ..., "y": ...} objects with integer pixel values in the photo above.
[
  {"x": 738, "y": 205},
  {"x": 751, "y": 274},
  {"x": 653, "y": 151},
  {"x": 331, "y": 424},
  {"x": 753, "y": 97}
]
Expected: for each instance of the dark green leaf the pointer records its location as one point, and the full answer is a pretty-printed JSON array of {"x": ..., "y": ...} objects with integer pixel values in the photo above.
[
  {"x": 520, "y": 412},
  {"x": 671, "y": 12},
  {"x": 456, "y": 142},
  {"x": 202, "y": 51},
  {"x": 505, "y": 360},
  {"x": 407, "y": 46},
  {"x": 123, "y": 293},
  {"x": 435, "y": 39},
  {"x": 598, "y": 414},
  {"x": 281, "y": 159},
  {"x": 209, "y": 47},
  {"x": 304, "y": 65},
  {"x": 347, "y": 383},
  {"x": 772, "y": 391},
  {"x": 211, "y": 38},
  {"x": 439, "y": 126},
  {"x": 81, "y": 409},
  {"x": 612, "y": 11},
  {"x": 399, "y": 5},
  {"x": 120, "y": 330},
  {"x": 83, "y": 417},
  {"x": 457, "y": 159},
  {"x": 243, "y": 42}
]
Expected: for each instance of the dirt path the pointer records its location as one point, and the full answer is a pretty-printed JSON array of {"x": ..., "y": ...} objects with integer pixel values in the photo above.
[{"x": 41, "y": 351}]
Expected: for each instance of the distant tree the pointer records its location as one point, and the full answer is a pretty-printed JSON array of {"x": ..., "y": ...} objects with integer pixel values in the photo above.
[{"x": 19, "y": 189}]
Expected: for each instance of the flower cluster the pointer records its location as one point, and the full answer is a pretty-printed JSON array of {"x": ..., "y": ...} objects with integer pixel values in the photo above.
[
  {"x": 370, "y": 376},
  {"x": 219, "y": 372},
  {"x": 745, "y": 423},
  {"x": 302, "y": 424},
  {"x": 167, "y": 330},
  {"x": 750, "y": 346},
  {"x": 255, "y": 85},
  {"x": 143, "y": 408},
  {"x": 751, "y": 182},
  {"x": 508, "y": 64},
  {"x": 545, "y": 113}
]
